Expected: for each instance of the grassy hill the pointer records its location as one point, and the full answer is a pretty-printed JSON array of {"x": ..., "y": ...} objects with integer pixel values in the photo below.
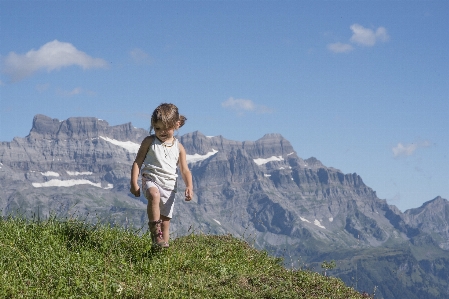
[{"x": 73, "y": 259}]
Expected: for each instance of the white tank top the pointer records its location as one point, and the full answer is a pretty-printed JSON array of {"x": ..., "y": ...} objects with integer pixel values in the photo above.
[{"x": 160, "y": 164}]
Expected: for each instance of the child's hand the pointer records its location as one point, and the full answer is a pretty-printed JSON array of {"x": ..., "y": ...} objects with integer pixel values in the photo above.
[
  {"x": 189, "y": 194},
  {"x": 135, "y": 190}
]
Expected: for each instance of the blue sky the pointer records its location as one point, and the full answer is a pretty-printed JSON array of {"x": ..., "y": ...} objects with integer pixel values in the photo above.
[{"x": 361, "y": 85}]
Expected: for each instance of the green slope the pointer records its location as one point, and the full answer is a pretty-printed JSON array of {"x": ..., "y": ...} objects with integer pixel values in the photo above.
[{"x": 73, "y": 259}]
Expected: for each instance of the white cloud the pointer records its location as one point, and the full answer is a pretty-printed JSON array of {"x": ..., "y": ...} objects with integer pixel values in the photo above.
[
  {"x": 361, "y": 36},
  {"x": 368, "y": 37},
  {"x": 51, "y": 56},
  {"x": 340, "y": 47},
  {"x": 241, "y": 105},
  {"x": 408, "y": 149},
  {"x": 140, "y": 57}
]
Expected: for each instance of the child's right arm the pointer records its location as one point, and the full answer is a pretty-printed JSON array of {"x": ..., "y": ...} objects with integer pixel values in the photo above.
[{"x": 135, "y": 170}]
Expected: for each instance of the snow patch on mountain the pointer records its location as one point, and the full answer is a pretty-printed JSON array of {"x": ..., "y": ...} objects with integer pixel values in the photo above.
[
  {"x": 317, "y": 223},
  {"x": 69, "y": 183},
  {"x": 79, "y": 173},
  {"x": 197, "y": 157},
  {"x": 304, "y": 220},
  {"x": 262, "y": 161},
  {"x": 130, "y": 146},
  {"x": 50, "y": 173}
]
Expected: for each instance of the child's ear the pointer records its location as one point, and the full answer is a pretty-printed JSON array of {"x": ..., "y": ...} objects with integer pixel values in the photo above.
[{"x": 178, "y": 124}]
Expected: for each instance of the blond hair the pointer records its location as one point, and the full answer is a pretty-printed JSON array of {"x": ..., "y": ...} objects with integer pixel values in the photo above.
[{"x": 169, "y": 116}]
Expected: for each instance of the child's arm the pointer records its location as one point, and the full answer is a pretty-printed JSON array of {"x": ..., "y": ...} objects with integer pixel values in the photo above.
[
  {"x": 135, "y": 170},
  {"x": 185, "y": 173}
]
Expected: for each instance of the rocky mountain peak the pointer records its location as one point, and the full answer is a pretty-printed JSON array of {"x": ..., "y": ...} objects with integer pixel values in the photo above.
[
  {"x": 313, "y": 162},
  {"x": 432, "y": 217},
  {"x": 82, "y": 128},
  {"x": 269, "y": 145},
  {"x": 265, "y": 147},
  {"x": 437, "y": 201},
  {"x": 44, "y": 125},
  {"x": 434, "y": 206},
  {"x": 273, "y": 136}
]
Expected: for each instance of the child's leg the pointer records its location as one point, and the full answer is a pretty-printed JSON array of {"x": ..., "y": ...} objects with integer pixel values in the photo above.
[
  {"x": 165, "y": 227},
  {"x": 155, "y": 221},
  {"x": 153, "y": 212},
  {"x": 153, "y": 209}
]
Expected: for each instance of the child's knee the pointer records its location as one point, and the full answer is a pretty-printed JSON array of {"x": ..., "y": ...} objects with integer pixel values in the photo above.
[{"x": 152, "y": 194}]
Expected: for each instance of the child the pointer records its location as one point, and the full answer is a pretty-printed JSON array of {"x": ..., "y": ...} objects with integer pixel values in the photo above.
[{"x": 160, "y": 154}]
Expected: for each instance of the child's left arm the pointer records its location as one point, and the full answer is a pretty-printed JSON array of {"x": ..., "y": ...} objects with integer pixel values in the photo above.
[{"x": 185, "y": 173}]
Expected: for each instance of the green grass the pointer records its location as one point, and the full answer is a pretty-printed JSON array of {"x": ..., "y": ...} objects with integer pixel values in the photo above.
[{"x": 72, "y": 259}]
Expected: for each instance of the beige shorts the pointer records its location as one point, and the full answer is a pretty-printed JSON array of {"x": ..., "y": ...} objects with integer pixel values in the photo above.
[{"x": 167, "y": 196}]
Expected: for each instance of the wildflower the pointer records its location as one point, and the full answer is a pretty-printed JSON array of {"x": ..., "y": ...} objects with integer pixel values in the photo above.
[{"x": 120, "y": 289}]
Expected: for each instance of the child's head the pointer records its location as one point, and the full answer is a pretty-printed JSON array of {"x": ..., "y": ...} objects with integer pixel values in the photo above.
[{"x": 168, "y": 115}]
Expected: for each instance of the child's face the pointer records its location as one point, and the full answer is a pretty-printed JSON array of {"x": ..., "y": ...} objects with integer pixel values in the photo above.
[{"x": 162, "y": 132}]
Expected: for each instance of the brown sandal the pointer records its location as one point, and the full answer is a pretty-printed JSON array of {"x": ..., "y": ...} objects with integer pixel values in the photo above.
[{"x": 156, "y": 234}]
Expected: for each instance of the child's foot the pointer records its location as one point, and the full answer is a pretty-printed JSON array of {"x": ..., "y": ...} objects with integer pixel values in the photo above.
[{"x": 156, "y": 234}]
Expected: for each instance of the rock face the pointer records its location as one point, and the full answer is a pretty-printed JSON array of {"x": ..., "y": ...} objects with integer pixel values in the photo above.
[
  {"x": 433, "y": 218},
  {"x": 79, "y": 165},
  {"x": 258, "y": 190},
  {"x": 81, "y": 128}
]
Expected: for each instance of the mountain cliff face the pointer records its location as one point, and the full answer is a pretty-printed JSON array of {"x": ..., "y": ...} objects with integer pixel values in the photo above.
[
  {"x": 432, "y": 218},
  {"x": 75, "y": 166},
  {"x": 265, "y": 186},
  {"x": 259, "y": 190}
]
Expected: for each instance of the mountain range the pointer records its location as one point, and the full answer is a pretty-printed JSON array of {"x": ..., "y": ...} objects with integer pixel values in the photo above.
[{"x": 260, "y": 190}]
